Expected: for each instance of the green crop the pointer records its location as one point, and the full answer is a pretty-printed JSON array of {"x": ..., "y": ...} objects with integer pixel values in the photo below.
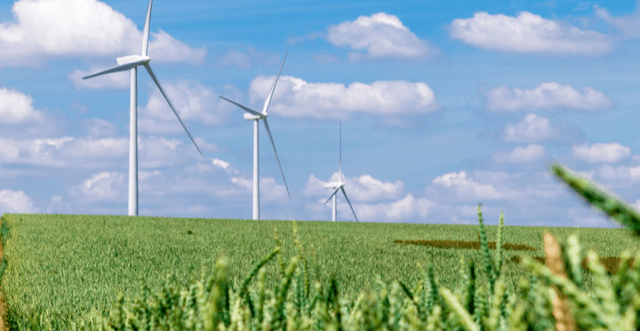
[{"x": 64, "y": 272}]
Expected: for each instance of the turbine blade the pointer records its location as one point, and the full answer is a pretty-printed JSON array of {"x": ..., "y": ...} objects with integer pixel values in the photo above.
[
  {"x": 247, "y": 109},
  {"x": 273, "y": 87},
  {"x": 145, "y": 31},
  {"x": 266, "y": 125},
  {"x": 340, "y": 152},
  {"x": 121, "y": 67},
  {"x": 345, "y": 196},
  {"x": 332, "y": 194},
  {"x": 153, "y": 76}
]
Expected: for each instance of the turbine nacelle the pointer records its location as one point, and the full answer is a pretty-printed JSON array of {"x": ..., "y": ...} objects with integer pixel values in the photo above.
[
  {"x": 141, "y": 59},
  {"x": 333, "y": 185},
  {"x": 252, "y": 117}
]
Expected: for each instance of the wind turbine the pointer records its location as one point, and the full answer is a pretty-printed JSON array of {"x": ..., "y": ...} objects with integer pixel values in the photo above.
[
  {"x": 132, "y": 62},
  {"x": 339, "y": 185},
  {"x": 255, "y": 116}
]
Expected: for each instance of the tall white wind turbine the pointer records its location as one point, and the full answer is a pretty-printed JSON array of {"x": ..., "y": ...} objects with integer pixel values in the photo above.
[
  {"x": 132, "y": 62},
  {"x": 339, "y": 185},
  {"x": 255, "y": 116}
]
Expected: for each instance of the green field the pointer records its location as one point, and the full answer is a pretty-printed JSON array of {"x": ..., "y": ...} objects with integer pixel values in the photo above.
[{"x": 63, "y": 265}]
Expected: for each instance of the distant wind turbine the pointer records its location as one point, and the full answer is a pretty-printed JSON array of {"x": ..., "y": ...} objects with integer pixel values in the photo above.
[
  {"x": 338, "y": 186},
  {"x": 255, "y": 116},
  {"x": 132, "y": 62}
]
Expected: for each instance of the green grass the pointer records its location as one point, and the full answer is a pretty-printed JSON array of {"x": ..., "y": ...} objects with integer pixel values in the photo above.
[{"x": 63, "y": 265}]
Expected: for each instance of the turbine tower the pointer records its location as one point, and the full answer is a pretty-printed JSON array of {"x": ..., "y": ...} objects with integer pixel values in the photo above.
[
  {"x": 255, "y": 116},
  {"x": 339, "y": 185},
  {"x": 132, "y": 62}
]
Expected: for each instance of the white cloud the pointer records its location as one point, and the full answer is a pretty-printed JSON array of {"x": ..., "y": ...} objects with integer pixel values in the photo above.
[
  {"x": 16, "y": 202},
  {"x": 89, "y": 152},
  {"x": 114, "y": 80},
  {"x": 100, "y": 128},
  {"x": 295, "y": 97},
  {"x": 246, "y": 184},
  {"x": 532, "y": 128},
  {"x": 144, "y": 175},
  {"x": 103, "y": 186},
  {"x": 62, "y": 152},
  {"x": 628, "y": 25},
  {"x": 220, "y": 163},
  {"x": 382, "y": 35},
  {"x": 620, "y": 173},
  {"x": 57, "y": 28},
  {"x": 270, "y": 191},
  {"x": 104, "y": 147},
  {"x": 162, "y": 152},
  {"x": 164, "y": 48},
  {"x": 472, "y": 189},
  {"x": 248, "y": 60},
  {"x": 16, "y": 107},
  {"x": 531, "y": 153},
  {"x": 600, "y": 152},
  {"x": 207, "y": 146},
  {"x": 363, "y": 188},
  {"x": 406, "y": 209},
  {"x": 527, "y": 33},
  {"x": 546, "y": 96},
  {"x": 193, "y": 102}
]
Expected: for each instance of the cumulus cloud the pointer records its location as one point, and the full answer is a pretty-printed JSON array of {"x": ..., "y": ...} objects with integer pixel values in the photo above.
[
  {"x": 103, "y": 186},
  {"x": 531, "y": 153},
  {"x": 532, "y": 128},
  {"x": 16, "y": 107},
  {"x": 406, "y": 209},
  {"x": 16, "y": 202},
  {"x": 527, "y": 33},
  {"x": 164, "y": 48},
  {"x": 364, "y": 188},
  {"x": 620, "y": 173},
  {"x": 270, "y": 191},
  {"x": 469, "y": 188},
  {"x": 81, "y": 28},
  {"x": 230, "y": 169},
  {"x": 600, "y": 152},
  {"x": 192, "y": 100},
  {"x": 162, "y": 152},
  {"x": 382, "y": 36},
  {"x": 546, "y": 96},
  {"x": 62, "y": 152},
  {"x": 92, "y": 152},
  {"x": 246, "y": 60},
  {"x": 295, "y": 97}
]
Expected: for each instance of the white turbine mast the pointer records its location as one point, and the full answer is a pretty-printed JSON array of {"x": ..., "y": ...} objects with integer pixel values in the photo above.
[
  {"x": 255, "y": 116},
  {"x": 336, "y": 186},
  {"x": 132, "y": 62}
]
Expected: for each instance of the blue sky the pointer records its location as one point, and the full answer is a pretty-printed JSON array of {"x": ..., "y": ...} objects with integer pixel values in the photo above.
[{"x": 443, "y": 105}]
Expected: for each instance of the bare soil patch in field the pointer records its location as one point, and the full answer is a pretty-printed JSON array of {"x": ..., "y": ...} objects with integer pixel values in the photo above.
[
  {"x": 610, "y": 263},
  {"x": 458, "y": 244}
]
